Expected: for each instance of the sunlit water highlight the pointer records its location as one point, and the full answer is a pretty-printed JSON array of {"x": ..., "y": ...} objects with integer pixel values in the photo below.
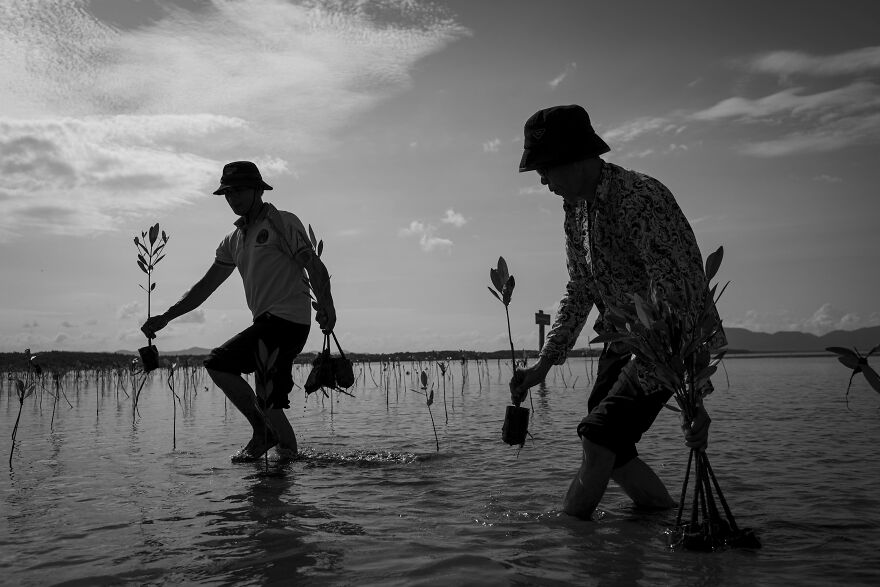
[{"x": 95, "y": 500}]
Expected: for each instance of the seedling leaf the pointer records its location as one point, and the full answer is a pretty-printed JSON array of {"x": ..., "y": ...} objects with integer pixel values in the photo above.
[
  {"x": 494, "y": 293},
  {"x": 872, "y": 377},
  {"x": 842, "y": 351},
  {"x": 496, "y": 279},
  {"x": 502, "y": 270},
  {"x": 713, "y": 262},
  {"x": 424, "y": 378}
]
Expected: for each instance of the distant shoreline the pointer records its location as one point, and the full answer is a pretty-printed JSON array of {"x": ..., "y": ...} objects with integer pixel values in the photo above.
[{"x": 123, "y": 359}]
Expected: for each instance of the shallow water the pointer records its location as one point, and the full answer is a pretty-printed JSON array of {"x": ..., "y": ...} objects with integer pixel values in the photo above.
[{"x": 95, "y": 499}]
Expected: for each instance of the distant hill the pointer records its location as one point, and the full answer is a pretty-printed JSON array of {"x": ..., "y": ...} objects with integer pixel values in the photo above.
[{"x": 800, "y": 342}]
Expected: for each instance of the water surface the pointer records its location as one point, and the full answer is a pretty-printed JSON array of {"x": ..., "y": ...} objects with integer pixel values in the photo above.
[{"x": 97, "y": 498}]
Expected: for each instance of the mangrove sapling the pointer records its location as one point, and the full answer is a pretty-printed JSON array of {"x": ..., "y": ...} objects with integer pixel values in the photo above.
[
  {"x": 442, "y": 366},
  {"x": 516, "y": 417},
  {"x": 429, "y": 399},
  {"x": 859, "y": 364},
  {"x": 263, "y": 374},
  {"x": 149, "y": 253},
  {"x": 23, "y": 390},
  {"x": 174, "y": 396},
  {"x": 674, "y": 336}
]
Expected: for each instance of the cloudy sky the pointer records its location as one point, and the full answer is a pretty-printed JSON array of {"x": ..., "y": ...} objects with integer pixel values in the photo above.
[{"x": 394, "y": 129}]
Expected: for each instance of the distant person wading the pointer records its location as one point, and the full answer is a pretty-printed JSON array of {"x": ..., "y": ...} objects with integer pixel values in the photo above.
[
  {"x": 272, "y": 252},
  {"x": 624, "y": 232}
]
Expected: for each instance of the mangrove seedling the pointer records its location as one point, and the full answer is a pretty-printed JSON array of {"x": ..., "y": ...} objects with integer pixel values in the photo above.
[
  {"x": 859, "y": 364},
  {"x": 149, "y": 253},
  {"x": 674, "y": 336},
  {"x": 516, "y": 417},
  {"x": 174, "y": 396},
  {"x": 429, "y": 399},
  {"x": 263, "y": 384},
  {"x": 504, "y": 284},
  {"x": 23, "y": 390}
]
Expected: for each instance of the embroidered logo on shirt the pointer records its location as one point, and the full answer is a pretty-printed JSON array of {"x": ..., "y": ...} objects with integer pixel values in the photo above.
[{"x": 262, "y": 236}]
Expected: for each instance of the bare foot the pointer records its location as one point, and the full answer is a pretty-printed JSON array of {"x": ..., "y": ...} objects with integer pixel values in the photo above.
[{"x": 253, "y": 450}]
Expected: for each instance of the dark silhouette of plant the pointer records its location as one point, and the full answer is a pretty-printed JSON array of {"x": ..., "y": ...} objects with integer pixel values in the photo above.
[
  {"x": 23, "y": 390},
  {"x": 149, "y": 256},
  {"x": 859, "y": 364},
  {"x": 675, "y": 342},
  {"x": 174, "y": 396},
  {"x": 504, "y": 284},
  {"x": 429, "y": 399},
  {"x": 263, "y": 384}
]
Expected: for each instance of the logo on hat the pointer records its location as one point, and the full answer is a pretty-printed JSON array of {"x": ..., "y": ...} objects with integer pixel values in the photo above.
[{"x": 538, "y": 133}]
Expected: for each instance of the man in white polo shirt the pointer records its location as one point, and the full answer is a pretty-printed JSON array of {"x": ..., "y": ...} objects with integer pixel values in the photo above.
[{"x": 272, "y": 252}]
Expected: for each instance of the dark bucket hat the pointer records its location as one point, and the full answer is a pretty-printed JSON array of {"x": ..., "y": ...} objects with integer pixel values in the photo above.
[
  {"x": 241, "y": 174},
  {"x": 557, "y": 135}
]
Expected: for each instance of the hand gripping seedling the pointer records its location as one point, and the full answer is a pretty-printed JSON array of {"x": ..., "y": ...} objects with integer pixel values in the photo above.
[
  {"x": 674, "y": 335},
  {"x": 147, "y": 259},
  {"x": 516, "y": 417}
]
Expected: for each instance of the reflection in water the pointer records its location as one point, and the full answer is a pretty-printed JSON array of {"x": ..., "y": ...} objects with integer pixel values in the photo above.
[{"x": 262, "y": 536}]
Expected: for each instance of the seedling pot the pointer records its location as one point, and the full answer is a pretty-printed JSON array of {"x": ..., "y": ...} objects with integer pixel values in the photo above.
[
  {"x": 516, "y": 425},
  {"x": 149, "y": 357}
]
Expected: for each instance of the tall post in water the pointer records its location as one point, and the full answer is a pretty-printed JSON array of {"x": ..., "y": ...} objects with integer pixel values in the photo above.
[{"x": 542, "y": 320}]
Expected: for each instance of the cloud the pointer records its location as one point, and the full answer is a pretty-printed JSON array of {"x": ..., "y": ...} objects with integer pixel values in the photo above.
[
  {"x": 425, "y": 233},
  {"x": 825, "y": 178},
  {"x": 492, "y": 145},
  {"x": 633, "y": 129},
  {"x": 806, "y": 118},
  {"x": 852, "y": 98},
  {"x": 96, "y": 115},
  {"x": 194, "y": 317},
  {"x": 788, "y": 63},
  {"x": 454, "y": 218},
  {"x": 533, "y": 190},
  {"x": 569, "y": 69},
  {"x": 130, "y": 310}
]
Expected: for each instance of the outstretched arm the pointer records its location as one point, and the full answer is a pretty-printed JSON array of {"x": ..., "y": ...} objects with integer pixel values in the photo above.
[{"x": 191, "y": 300}]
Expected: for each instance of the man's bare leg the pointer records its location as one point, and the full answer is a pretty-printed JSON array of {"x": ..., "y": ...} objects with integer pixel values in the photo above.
[
  {"x": 283, "y": 430},
  {"x": 589, "y": 484},
  {"x": 642, "y": 485}
]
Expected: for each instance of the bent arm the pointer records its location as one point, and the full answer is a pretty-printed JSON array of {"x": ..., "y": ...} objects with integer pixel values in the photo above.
[
  {"x": 319, "y": 278},
  {"x": 198, "y": 293}
]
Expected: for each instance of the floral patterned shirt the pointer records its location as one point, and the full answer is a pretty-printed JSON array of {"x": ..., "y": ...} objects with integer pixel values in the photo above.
[{"x": 632, "y": 234}]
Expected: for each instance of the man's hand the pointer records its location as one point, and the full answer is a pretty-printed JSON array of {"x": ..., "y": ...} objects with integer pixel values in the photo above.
[
  {"x": 326, "y": 317},
  {"x": 154, "y": 325},
  {"x": 696, "y": 432},
  {"x": 523, "y": 379}
]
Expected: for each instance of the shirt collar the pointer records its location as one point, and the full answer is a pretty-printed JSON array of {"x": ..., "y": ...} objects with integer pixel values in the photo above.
[
  {"x": 604, "y": 183},
  {"x": 241, "y": 222}
]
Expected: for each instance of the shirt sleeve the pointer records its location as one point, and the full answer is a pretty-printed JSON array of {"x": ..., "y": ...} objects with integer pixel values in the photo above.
[
  {"x": 576, "y": 303},
  {"x": 299, "y": 241},
  {"x": 224, "y": 256}
]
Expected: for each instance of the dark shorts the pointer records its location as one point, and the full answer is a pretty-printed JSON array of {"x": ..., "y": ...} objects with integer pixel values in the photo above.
[
  {"x": 619, "y": 412},
  {"x": 238, "y": 354}
]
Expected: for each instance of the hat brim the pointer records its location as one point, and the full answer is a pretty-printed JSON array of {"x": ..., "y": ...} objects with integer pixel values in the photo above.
[
  {"x": 533, "y": 159},
  {"x": 225, "y": 186}
]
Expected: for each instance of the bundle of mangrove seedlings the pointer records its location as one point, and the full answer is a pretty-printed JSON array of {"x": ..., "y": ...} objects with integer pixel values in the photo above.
[{"x": 675, "y": 336}]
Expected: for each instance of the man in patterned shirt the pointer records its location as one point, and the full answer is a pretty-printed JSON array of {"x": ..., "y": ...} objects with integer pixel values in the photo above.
[
  {"x": 623, "y": 232},
  {"x": 271, "y": 251}
]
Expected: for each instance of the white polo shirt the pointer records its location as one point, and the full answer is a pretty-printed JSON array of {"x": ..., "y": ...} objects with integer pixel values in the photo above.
[{"x": 272, "y": 272}]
